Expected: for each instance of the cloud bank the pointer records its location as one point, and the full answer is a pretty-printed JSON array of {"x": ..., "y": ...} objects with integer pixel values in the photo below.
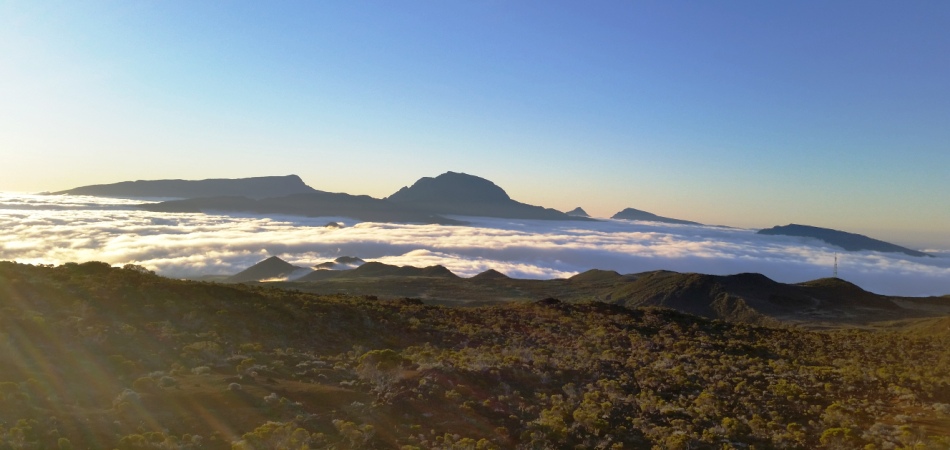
[{"x": 58, "y": 229}]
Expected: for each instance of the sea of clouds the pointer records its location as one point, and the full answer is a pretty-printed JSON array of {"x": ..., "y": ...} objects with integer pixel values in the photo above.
[{"x": 42, "y": 229}]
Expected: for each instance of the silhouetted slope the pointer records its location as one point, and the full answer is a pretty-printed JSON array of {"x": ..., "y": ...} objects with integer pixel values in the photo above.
[
  {"x": 596, "y": 275},
  {"x": 375, "y": 269},
  {"x": 467, "y": 195},
  {"x": 636, "y": 214},
  {"x": 378, "y": 269},
  {"x": 490, "y": 274},
  {"x": 267, "y": 269},
  {"x": 849, "y": 241},
  {"x": 743, "y": 297},
  {"x": 315, "y": 204},
  {"x": 579, "y": 212},
  {"x": 257, "y": 187}
]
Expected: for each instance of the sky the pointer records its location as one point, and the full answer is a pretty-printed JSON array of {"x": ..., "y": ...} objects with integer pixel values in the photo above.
[{"x": 741, "y": 113}]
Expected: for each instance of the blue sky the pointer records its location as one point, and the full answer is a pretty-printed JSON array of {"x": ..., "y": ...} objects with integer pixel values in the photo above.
[{"x": 749, "y": 114}]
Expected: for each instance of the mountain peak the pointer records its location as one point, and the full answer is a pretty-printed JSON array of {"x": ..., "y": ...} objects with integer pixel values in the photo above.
[
  {"x": 578, "y": 212},
  {"x": 269, "y": 268},
  {"x": 468, "y": 195},
  {"x": 491, "y": 274},
  {"x": 451, "y": 187}
]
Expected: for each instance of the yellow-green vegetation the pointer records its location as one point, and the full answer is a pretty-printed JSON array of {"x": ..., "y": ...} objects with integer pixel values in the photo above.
[{"x": 100, "y": 357}]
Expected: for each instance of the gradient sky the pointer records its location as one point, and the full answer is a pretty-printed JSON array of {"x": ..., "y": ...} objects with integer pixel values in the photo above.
[{"x": 742, "y": 113}]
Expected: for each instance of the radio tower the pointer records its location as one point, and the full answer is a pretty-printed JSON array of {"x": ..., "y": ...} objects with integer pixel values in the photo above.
[{"x": 836, "y": 265}]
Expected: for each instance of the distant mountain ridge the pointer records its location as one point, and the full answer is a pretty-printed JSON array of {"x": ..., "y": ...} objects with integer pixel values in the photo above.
[
  {"x": 256, "y": 187},
  {"x": 636, "y": 214},
  {"x": 744, "y": 297},
  {"x": 428, "y": 200},
  {"x": 851, "y": 242}
]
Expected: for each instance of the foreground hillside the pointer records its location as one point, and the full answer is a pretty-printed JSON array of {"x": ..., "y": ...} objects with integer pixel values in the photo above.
[
  {"x": 100, "y": 357},
  {"x": 747, "y": 297}
]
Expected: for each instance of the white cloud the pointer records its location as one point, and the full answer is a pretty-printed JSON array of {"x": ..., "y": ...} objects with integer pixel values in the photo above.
[{"x": 58, "y": 229}]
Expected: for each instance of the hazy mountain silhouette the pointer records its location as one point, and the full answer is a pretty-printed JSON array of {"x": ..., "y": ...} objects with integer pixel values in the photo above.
[
  {"x": 636, "y": 214},
  {"x": 491, "y": 274},
  {"x": 579, "y": 212},
  {"x": 849, "y": 241},
  {"x": 343, "y": 262},
  {"x": 350, "y": 260},
  {"x": 257, "y": 187},
  {"x": 315, "y": 204},
  {"x": 270, "y": 268},
  {"x": 425, "y": 202},
  {"x": 468, "y": 195}
]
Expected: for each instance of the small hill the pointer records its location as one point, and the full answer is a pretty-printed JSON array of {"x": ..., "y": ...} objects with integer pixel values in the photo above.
[
  {"x": 490, "y": 274},
  {"x": 749, "y": 297},
  {"x": 268, "y": 269},
  {"x": 578, "y": 212},
  {"x": 374, "y": 269},
  {"x": 256, "y": 187},
  {"x": 851, "y": 242},
  {"x": 468, "y": 195},
  {"x": 596, "y": 275},
  {"x": 843, "y": 293},
  {"x": 636, "y": 214},
  {"x": 378, "y": 269}
]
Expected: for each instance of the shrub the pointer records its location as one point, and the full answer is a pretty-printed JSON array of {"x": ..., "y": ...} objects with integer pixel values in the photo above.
[{"x": 145, "y": 385}]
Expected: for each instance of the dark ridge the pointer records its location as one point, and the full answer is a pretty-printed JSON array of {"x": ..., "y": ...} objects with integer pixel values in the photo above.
[
  {"x": 325, "y": 266},
  {"x": 851, "y": 242},
  {"x": 378, "y": 269},
  {"x": 747, "y": 297},
  {"x": 321, "y": 275},
  {"x": 256, "y": 187},
  {"x": 844, "y": 293},
  {"x": 272, "y": 267},
  {"x": 595, "y": 275},
  {"x": 437, "y": 271},
  {"x": 349, "y": 260},
  {"x": 636, "y": 214},
  {"x": 490, "y": 274}
]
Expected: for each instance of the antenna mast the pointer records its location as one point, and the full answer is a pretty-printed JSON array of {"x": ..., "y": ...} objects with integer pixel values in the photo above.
[{"x": 836, "y": 265}]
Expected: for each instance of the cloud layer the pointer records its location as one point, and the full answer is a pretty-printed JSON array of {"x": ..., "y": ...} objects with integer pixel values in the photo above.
[{"x": 58, "y": 229}]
